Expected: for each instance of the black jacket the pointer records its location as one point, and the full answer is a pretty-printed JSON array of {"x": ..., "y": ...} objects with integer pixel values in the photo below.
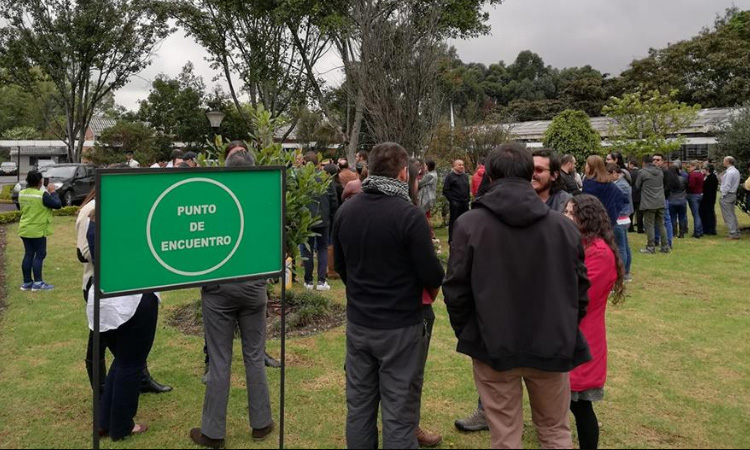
[
  {"x": 571, "y": 187},
  {"x": 456, "y": 188},
  {"x": 325, "y": 206},
  {"x": 636, "y": 191},
  {"x": 384, "y": 254},
  {"x": 517, "y": 286}
]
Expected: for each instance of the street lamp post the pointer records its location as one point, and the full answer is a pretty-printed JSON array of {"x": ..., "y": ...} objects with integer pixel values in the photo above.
[{"x": 215, "y": 117}]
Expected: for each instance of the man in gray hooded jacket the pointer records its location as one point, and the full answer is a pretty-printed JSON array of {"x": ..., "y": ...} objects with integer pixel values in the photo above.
[{"x": 651, "y": 184}]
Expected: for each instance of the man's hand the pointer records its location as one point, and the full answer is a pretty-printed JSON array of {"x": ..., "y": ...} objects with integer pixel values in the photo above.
[{"x": 51, "y": 188}]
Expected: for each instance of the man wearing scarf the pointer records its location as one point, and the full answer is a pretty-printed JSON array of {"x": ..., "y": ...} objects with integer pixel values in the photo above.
[{"x": 385, "y": 257}]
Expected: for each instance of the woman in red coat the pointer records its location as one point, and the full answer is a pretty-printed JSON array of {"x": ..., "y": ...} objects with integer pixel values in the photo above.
[{"x": 607, "y": 275}]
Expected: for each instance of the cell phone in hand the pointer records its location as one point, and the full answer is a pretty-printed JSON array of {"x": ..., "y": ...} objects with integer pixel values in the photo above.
[{"x": 46, "y": 182}]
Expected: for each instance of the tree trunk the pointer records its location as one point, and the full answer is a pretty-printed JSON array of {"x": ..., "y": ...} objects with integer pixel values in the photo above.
[{"x": 356, "y": 126}]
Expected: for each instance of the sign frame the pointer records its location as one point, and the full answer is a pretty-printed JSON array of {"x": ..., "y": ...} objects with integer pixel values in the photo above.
[{"x": 98, "y": 294}]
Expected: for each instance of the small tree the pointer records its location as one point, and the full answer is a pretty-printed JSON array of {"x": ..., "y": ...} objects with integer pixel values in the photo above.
[
  {"x": 571, "y": 133},
  {"x": 303, "y": 184},
  {"x": 734, "y": 137},
  {"x": 648, "y": 122}
]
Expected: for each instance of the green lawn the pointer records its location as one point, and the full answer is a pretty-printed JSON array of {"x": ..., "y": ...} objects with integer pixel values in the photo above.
[{"x": 679, "y": 374}]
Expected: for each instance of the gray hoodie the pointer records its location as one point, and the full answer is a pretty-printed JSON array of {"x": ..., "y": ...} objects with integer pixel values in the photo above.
[{"x": 651, "y": 184}]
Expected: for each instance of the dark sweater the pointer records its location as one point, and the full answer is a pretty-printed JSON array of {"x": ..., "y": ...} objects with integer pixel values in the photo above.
[
  {"x": 609, "y": 194},
  {"x": 456, "y": 188},
  {"x": 385, "y": 257},
  {"x": 517, "y": 284}
]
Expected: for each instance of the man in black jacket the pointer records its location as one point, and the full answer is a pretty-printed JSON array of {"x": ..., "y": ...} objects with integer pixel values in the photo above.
[
  {"x": 323, "y": 207},
  {"x": 456, "y": 189},
  {"x": 384, "y": 254},
  {"x": 568, "y": 175},
  {"x": 515, "y": 298}
]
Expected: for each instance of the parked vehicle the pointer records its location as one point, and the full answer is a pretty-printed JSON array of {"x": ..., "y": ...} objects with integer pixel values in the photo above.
[
  {"x": 8, "y": 168},
  {"x": 73, "y": 182}
]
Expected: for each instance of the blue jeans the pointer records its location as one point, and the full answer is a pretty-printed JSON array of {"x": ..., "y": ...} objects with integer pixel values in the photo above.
[
  {"x": 667, "y": 225},
  {"x": 36, "y": 251},
  {"x": 678, "y": 212},
  {"x": 319, "y": 244},
  {"x": 621, "y": 238},
  {"x": 694, "y": 200}
]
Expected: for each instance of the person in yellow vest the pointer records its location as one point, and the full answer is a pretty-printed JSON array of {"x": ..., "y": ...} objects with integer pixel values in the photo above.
[{"x": 37, "y": 203}]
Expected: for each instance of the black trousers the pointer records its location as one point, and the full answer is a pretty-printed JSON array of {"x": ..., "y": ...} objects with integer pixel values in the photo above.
[
  {"x": 130, "y": 344},
  {"x": 457, "y": 208}
]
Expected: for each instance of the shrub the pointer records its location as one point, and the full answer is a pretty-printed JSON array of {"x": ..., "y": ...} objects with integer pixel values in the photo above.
[{"x": 15, "y": 216}]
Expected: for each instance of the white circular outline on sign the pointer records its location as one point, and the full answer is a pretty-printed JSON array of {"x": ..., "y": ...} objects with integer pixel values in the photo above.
[{"x": 151, "y": 216}]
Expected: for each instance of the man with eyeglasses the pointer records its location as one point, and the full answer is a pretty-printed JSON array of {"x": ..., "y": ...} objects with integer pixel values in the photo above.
[{"x": 546, "y": 180}]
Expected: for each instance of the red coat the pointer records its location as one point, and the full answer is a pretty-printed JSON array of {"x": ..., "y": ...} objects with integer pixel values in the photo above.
[
  {"x": 476, "y": 180},
  {"x": 600, "y": 262}
]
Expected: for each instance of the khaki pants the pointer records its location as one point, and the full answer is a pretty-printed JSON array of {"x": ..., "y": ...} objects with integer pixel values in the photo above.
[{"x": 502, "y": 397}]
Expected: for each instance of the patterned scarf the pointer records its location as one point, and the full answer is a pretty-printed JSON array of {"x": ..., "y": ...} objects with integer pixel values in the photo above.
[{"x": 386, "y": 186}]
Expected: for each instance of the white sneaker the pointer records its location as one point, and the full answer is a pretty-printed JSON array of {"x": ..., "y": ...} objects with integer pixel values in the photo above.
[
  {"x": 324, "y": 286},
  {"x": 309, "y": 287}
]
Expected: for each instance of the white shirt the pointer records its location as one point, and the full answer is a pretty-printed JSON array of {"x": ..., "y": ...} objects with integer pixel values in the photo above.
[
  {"x": 115, "y": 311},
  {"x": 133, "y": 164},
  {"x": 155, "y": 166},
  {"x": 82, "y": 226},
  {"x": 730, "y": 182}
]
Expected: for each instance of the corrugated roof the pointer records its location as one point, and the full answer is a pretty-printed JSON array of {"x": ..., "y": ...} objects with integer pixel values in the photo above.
[
  {"x": 99, "y": 124},
  {"x": 707, "y": 122}
]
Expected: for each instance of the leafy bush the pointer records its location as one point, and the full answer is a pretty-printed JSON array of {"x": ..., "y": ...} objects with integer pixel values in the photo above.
[
  {"x": 309, "y": 306},
  {"x": 571, "y": 133},
  {"x": 15, "y": 216},
  {"x": 5, "y": 193},
  {"x": 10, "y": 217}
]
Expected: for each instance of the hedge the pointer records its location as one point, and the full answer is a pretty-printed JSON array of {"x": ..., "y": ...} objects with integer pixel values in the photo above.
[{"x": 15, "y": 216}]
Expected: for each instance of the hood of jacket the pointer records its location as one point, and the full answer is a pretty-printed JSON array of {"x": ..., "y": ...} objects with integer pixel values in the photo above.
[{"x": 506, "y": 196}]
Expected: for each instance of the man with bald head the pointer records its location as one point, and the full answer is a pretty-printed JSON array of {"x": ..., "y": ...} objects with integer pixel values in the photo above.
[{"x": 456, "y": 190}]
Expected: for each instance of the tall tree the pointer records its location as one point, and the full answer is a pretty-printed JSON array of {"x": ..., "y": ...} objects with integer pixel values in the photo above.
[
  {"x": 251, "y": 41},
  {"x": 712, "y": 68},
  {"x": 176, "y": 107},
  {"x": 734, "y": 138},
  {"x": 648, "y": 122},
  {"x": 87, "y": 48}
]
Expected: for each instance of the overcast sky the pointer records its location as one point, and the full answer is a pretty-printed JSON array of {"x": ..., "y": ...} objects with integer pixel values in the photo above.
[{"x": 606, "y": 34}]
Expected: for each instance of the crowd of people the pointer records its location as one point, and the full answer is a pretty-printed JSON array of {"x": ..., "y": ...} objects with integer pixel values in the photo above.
[{"x": 536, "y": 254}]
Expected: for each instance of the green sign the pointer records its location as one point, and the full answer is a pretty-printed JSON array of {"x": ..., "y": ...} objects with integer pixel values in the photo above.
[{"x": 164, "y": 229}]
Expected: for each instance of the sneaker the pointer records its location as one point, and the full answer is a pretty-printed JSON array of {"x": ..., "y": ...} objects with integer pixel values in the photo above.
[
  {"x": 260, "y": 434},
  {"x": 26, "y": 286},
  {"x": 666, "y": 250},
  {"x": 41, "y": 286},
  {"x": 628, "y": 278},
  {"x": 427, "y": 439},
  {"x": 648, "y": 251},
  {"x": 324, "y": 286},
  {"x": 309, "y": 286},
  {"x": 475, "y": 422}
]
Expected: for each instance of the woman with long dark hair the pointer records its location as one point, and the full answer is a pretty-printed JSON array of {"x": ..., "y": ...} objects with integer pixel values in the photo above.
[{"x": 607, "y": 276}]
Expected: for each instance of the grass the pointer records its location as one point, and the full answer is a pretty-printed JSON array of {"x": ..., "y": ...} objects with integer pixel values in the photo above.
[{"x": 678, "y": 368}]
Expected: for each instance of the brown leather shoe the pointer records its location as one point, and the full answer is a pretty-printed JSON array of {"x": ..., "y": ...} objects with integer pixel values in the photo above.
[
  {"x": 260, "y": 434},
  {"x": 427, "y": 439},
  {"x": 204, "y": 441}
]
